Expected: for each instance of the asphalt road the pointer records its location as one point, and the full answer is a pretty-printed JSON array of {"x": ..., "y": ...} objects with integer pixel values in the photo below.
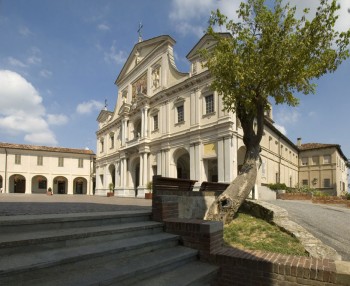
[{"x": 330, "y": 224}]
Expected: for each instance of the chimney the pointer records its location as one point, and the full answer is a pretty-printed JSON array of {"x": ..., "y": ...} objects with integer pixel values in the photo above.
[{"x": 299, "y": 142}]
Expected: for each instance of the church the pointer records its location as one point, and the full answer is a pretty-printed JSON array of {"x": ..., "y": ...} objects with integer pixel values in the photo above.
[{"x": 170, "y": 123}]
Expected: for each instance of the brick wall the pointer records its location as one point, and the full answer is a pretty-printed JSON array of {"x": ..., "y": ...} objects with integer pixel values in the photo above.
[
  {"x": 239, "y": 267},
  {"x": 294, "y": 196}
]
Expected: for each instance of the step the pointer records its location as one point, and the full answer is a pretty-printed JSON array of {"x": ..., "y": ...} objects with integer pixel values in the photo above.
[
  {"x": 12, "y": 243},
  {"x": 106, "y": 270},
  {"x": 195, "y": 273},
  {"x": 17, "y": 263},
  {"x": 30, "y": 223}
]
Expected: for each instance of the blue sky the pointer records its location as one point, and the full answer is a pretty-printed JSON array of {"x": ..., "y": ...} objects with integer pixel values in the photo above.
[{"x": 59, "y": 61}]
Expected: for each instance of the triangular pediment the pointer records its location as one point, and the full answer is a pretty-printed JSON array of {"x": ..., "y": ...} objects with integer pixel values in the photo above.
[
  {"x": 205, "y": 42},
  {"x": 104, "y": 115},
  {"x": 141, "y": 52}
]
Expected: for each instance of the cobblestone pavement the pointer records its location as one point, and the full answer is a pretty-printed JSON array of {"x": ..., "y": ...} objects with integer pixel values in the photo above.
[{"x": 34, "y": 204}]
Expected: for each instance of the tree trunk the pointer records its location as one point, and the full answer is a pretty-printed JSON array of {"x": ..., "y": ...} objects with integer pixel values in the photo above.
[{"x": 227, "y": 204}]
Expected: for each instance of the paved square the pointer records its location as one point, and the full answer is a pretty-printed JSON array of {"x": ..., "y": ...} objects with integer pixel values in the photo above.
[{"x": 34, "y": 204}]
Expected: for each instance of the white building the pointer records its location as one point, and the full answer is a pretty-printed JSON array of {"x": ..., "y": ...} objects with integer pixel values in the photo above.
[
  {"x": 172, "y": 124},
  {"x": 33, "y": 169}
]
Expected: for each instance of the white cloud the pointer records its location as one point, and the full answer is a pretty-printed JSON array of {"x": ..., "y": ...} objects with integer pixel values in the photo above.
[
  {"x": 118, "y": 57},
  {"x": 103, "y": 27},
  {"x": 22, "y": 111},
  {"x": 24, "y": 31},
  {"x": 89, "y": 106},
  {"x": 34, "y": 60},
  {"x": 343, "y": 22},
  {"x": 16, "y": 63},
  {"x": 281, "y": 128},
  {"x": 191, "y": 16},
  {"x": 287, "y": 115},
  {"x": 57, "y": 119},
  {"x": 45, "y": 73}
]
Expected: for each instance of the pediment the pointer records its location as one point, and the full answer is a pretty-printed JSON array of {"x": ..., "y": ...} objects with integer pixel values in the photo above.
[
  {"x": 104, "y": 115},
  {"x": 205, "y": 42},
  {"x": 141, "y": 52}
]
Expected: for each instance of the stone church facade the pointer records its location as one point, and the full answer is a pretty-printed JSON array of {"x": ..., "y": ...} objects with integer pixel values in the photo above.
[{"x": 171, "y": 123}]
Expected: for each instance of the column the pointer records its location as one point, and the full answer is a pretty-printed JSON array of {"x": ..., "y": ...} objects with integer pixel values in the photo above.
[
  {"x": 145, "y": 169},
  {"x": 141, "y": 170},
  {"x": 192, "y": 162},
  {"x": 228, "y": 159},
  {"x": 146, "y": 121},
  {"x": 159, "y": 163},
  {"x": 221, "y": 161}
]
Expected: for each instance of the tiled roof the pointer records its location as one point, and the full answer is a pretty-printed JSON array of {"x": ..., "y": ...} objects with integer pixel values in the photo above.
[
  {"x": 313, "y": 146},
  {"x": 309, "y": 146},
  {"x": 45, "y": 148}
]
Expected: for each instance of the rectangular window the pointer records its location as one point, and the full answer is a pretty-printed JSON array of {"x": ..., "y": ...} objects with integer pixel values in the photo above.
[
  {"x": 42, "y": 184},
  {"x": 326, "y": 159},
  {"x": 155, "y": 122},
  {"x": 18, "y": 159},
  {"x": 315, "y": 160},
  {"x": 180, "y": 114},
  {"x": 60, "y": 162},
  {"x": 209, "y": 104},
  {"x": 80, "y": 163},
  {"x": 327, "y": 183},
  {"x": 39, "y": 160},
  {"x": 304, "y": 161},
  {"x": 305, "y": 182}
]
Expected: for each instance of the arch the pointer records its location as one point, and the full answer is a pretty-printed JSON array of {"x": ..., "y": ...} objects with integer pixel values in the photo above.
[
  {"x": 60, "y": 185},
  {"x": 79, "y": 186},
  {"x": 135, "y": 173},
  {"x": 111, "y": 169},
  {"x": 240, "y": 157},
  {"x": 17, "y": 184},
  {"x": 39, "y": 184},
  {"x": 182, "y": 162}
]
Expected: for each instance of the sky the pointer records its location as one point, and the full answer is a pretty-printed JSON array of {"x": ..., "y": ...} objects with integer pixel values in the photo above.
[{"x": 59, "y": 61}]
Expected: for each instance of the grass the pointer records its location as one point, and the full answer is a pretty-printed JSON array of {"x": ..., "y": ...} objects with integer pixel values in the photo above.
[{"x": 247, "y": 232}]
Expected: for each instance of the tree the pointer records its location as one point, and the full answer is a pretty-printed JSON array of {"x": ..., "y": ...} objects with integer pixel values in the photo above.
[{"x": 269, "y": 55}]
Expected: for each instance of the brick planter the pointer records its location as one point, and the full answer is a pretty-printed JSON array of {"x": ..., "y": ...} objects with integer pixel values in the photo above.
[
  {"x": 330, "y": 200},
  {"x": 294, "y": 196}
]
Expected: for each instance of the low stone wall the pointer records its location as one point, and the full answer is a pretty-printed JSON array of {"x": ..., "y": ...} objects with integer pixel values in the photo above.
[
  {"x": 331, "y": 200},
  {"x": 239, "y": 267},
  {"x": 294, "y": 196}
]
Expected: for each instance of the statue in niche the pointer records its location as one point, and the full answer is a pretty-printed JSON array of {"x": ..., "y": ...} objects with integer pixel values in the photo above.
[{"x": 156, "y": 77}]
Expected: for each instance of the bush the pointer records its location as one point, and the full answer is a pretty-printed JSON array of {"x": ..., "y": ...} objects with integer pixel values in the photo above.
[
  {"x": 278, "y": 186},
  {"x": 319, "y": 194},
  {"x": 302, "y": 189}
]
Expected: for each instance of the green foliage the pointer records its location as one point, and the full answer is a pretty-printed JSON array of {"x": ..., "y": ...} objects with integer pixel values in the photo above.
[
  {"x": 278, "y": 186},
  {"x": 319, "y": 194},
  {"x": 299, "y": 188},
  {"x": 347, "y": 196},
  {"x": 247, "y": 232},
  {"x": 264, "y": 57},
  {"x": 111, "y": 187},
  {"x": 149, "y": 186},
  {"x": 270, "y": 54}
]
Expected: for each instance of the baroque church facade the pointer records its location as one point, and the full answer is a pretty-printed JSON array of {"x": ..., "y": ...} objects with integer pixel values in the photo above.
[{"x": 171, "y": 123}]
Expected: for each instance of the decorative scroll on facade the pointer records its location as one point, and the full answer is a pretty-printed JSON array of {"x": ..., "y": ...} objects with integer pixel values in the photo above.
[{"x": 140, "y": 86}]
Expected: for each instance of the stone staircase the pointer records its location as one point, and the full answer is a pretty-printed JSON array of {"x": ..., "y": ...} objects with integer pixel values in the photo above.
[{"x": 111, "y": 248}]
